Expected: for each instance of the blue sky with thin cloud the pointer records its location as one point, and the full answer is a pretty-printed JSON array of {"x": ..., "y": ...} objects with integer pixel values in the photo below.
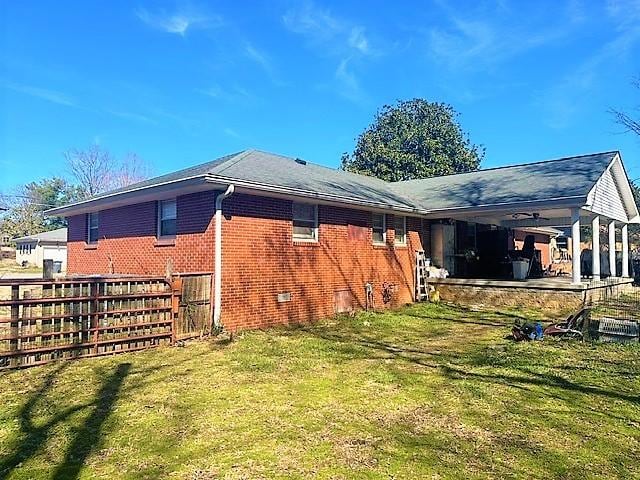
[{"x": 182, "y": 82}]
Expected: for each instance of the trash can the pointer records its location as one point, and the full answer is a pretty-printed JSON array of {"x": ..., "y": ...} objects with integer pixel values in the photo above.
[
  {"x": 520, "y": 269},
  {"x": 47, "y": 269}
]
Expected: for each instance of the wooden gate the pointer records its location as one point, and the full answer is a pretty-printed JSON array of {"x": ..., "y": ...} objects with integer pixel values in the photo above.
[{"x": 195, "y": 309}]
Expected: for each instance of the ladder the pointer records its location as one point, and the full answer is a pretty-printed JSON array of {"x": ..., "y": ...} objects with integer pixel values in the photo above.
[{"x": 422, "y": 284}]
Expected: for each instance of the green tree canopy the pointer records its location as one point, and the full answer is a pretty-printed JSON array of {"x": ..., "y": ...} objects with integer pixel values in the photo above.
[
  {"x": 93, "y": 171},
  {"x": 25, "y": 208},
  {"x": 414, "y": 139}
]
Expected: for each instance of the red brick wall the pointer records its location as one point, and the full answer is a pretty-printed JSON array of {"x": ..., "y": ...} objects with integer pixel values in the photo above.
[
  {"x": 260, "y": 258},
  {"x": 127, "y": 240}
]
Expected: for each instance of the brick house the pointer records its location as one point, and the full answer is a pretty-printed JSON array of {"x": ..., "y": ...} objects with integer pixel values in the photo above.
[
  {"x": 290, "y": 253},
  {"x": 291, "y": 241}
]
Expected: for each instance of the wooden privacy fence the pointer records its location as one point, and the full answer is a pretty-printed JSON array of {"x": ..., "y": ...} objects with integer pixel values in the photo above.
[{"x": 46, "y": 320}]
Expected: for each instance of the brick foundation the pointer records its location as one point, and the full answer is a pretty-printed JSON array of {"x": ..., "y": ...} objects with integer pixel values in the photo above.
[{"x": 552, "y": 302}]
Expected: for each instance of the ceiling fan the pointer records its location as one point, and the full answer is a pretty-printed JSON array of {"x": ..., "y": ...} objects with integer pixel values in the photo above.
[{"x": 535, "y": 215}]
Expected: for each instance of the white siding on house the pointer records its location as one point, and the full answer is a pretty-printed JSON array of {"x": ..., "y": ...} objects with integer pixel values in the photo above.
[
  {"x": 29, "y": 252},
  {"x": 41, "y": 252},
  {"x": 57, "y": 253},
  {"x": 605, "y": 198}
]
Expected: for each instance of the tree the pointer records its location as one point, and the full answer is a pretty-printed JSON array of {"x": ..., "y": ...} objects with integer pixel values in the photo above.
[
  {"x": 25, "y": 207},
  {"x": 413, "y": 139},
  {"x": 131, "y": 170},
  {"x": 632, "y": 125},
  {"x": 625, "y": 119},
  {"x": 95, "y": 170},
  {"x": 634, "y": 229}
]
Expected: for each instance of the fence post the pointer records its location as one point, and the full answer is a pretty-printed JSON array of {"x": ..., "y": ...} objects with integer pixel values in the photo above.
[
  {"x": 15, "y": 315},
  {"x": 176, "y": 294},
  {"x": 93, "y": 313}
]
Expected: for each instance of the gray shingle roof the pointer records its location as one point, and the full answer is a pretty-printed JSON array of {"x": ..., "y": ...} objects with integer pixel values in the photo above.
[
  {"x": 552, "y": 179},
  {"x": 58, "y": 235},
  {"x": 277, "y": 170},
  {"x": 197, "y": 170},
  {"x": 265, "y": 168},
  {"x": 547, "y": 180}
]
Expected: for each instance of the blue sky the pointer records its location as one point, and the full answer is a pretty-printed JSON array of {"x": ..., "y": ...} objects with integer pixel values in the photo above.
[{"x": 181, "y": 82}]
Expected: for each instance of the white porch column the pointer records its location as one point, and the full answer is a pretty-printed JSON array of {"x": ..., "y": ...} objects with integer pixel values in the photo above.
[
  {"x": 625, "y": 251},
  {"x": 612, "y": 248},
  {"x": 595, "y": 247},
  {"x": 575, "y": 246}
]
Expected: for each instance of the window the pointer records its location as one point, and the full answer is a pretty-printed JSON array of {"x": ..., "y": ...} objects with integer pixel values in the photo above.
[
  {"x": 305, "y": 222},
  {"x": 400, "y": 229},
  {"x": 379, "y": 227},
  {"x": 167, "y": 214},
  {"x": 92, "y": 228}
]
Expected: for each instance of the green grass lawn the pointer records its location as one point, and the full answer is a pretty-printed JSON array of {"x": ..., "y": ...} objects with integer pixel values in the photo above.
[{"x": 427, "y": 392}]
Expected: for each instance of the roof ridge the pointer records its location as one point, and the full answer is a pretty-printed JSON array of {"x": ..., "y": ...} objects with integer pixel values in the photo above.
[
  {"x": 324, "y": 167},
  {"x": 502, "y": 167},
  {"x": 234, "y": 159}
]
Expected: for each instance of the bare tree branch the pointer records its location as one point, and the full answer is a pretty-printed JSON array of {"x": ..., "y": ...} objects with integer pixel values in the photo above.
[
  {"x": 131, "y": 170},
  {"x": 95, "y": 170},
  {"x": 630, "y": 123},
  {"x": 91, "y": 169}
]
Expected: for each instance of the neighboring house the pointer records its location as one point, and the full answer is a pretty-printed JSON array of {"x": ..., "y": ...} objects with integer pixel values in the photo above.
[
  {"x": 34, "y": 249},
  {"x": 288, "y": 240},
  {"x": 544, "y": 242},
  {"x": 6, "y": 247}
]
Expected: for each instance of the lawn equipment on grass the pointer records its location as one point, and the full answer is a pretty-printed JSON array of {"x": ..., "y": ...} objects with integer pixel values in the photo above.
[{"x": 572, "y": 327}]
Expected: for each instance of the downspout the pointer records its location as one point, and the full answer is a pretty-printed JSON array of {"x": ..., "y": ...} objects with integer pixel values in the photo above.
[{"x": 217, "y": 270}]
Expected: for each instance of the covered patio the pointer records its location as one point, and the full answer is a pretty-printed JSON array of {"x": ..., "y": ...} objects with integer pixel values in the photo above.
[{"x": 475, "y": 218}]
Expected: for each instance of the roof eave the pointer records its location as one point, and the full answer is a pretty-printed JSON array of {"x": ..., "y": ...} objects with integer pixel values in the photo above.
[
  {"x": 576, "y": 201},
  {"x": 277, "y": 190},
  {"x": 136, "y": 195}
]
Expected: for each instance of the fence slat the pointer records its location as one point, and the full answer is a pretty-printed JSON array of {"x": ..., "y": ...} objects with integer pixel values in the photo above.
[{"x": 46, "y": 320}]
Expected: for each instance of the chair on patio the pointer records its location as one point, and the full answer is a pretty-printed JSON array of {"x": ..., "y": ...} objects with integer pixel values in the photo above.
[{"x": 534, "y": 256}]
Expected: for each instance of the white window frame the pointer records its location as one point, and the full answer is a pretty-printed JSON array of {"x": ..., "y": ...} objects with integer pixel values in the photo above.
[
  {"x": 159, "y": 218},
  {"x": 384, "y": 229},
  {"x": 297, "y": 238},
  {"x": 404, "y": 224},
  {"x": 89, "y": 215}
]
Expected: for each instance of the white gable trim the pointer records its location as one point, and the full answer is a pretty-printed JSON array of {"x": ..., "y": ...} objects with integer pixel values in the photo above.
[{"x": 611, "y": 196}]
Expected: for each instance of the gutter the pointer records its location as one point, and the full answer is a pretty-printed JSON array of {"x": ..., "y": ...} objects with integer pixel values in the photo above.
[{"x": 217, "y": 270}]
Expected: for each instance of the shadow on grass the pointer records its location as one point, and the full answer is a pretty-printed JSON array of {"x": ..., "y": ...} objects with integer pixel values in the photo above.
[
  {"x": 453, "y": 363},
  {"x": 89, "y": 436},
  {"x": 352, "y": 345},
  {"x": 481, "y": 322},
  {"x": 86, "y": 437},
  {"x": 537, "y": 379},
  {"x": 34, "y": 435}
]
